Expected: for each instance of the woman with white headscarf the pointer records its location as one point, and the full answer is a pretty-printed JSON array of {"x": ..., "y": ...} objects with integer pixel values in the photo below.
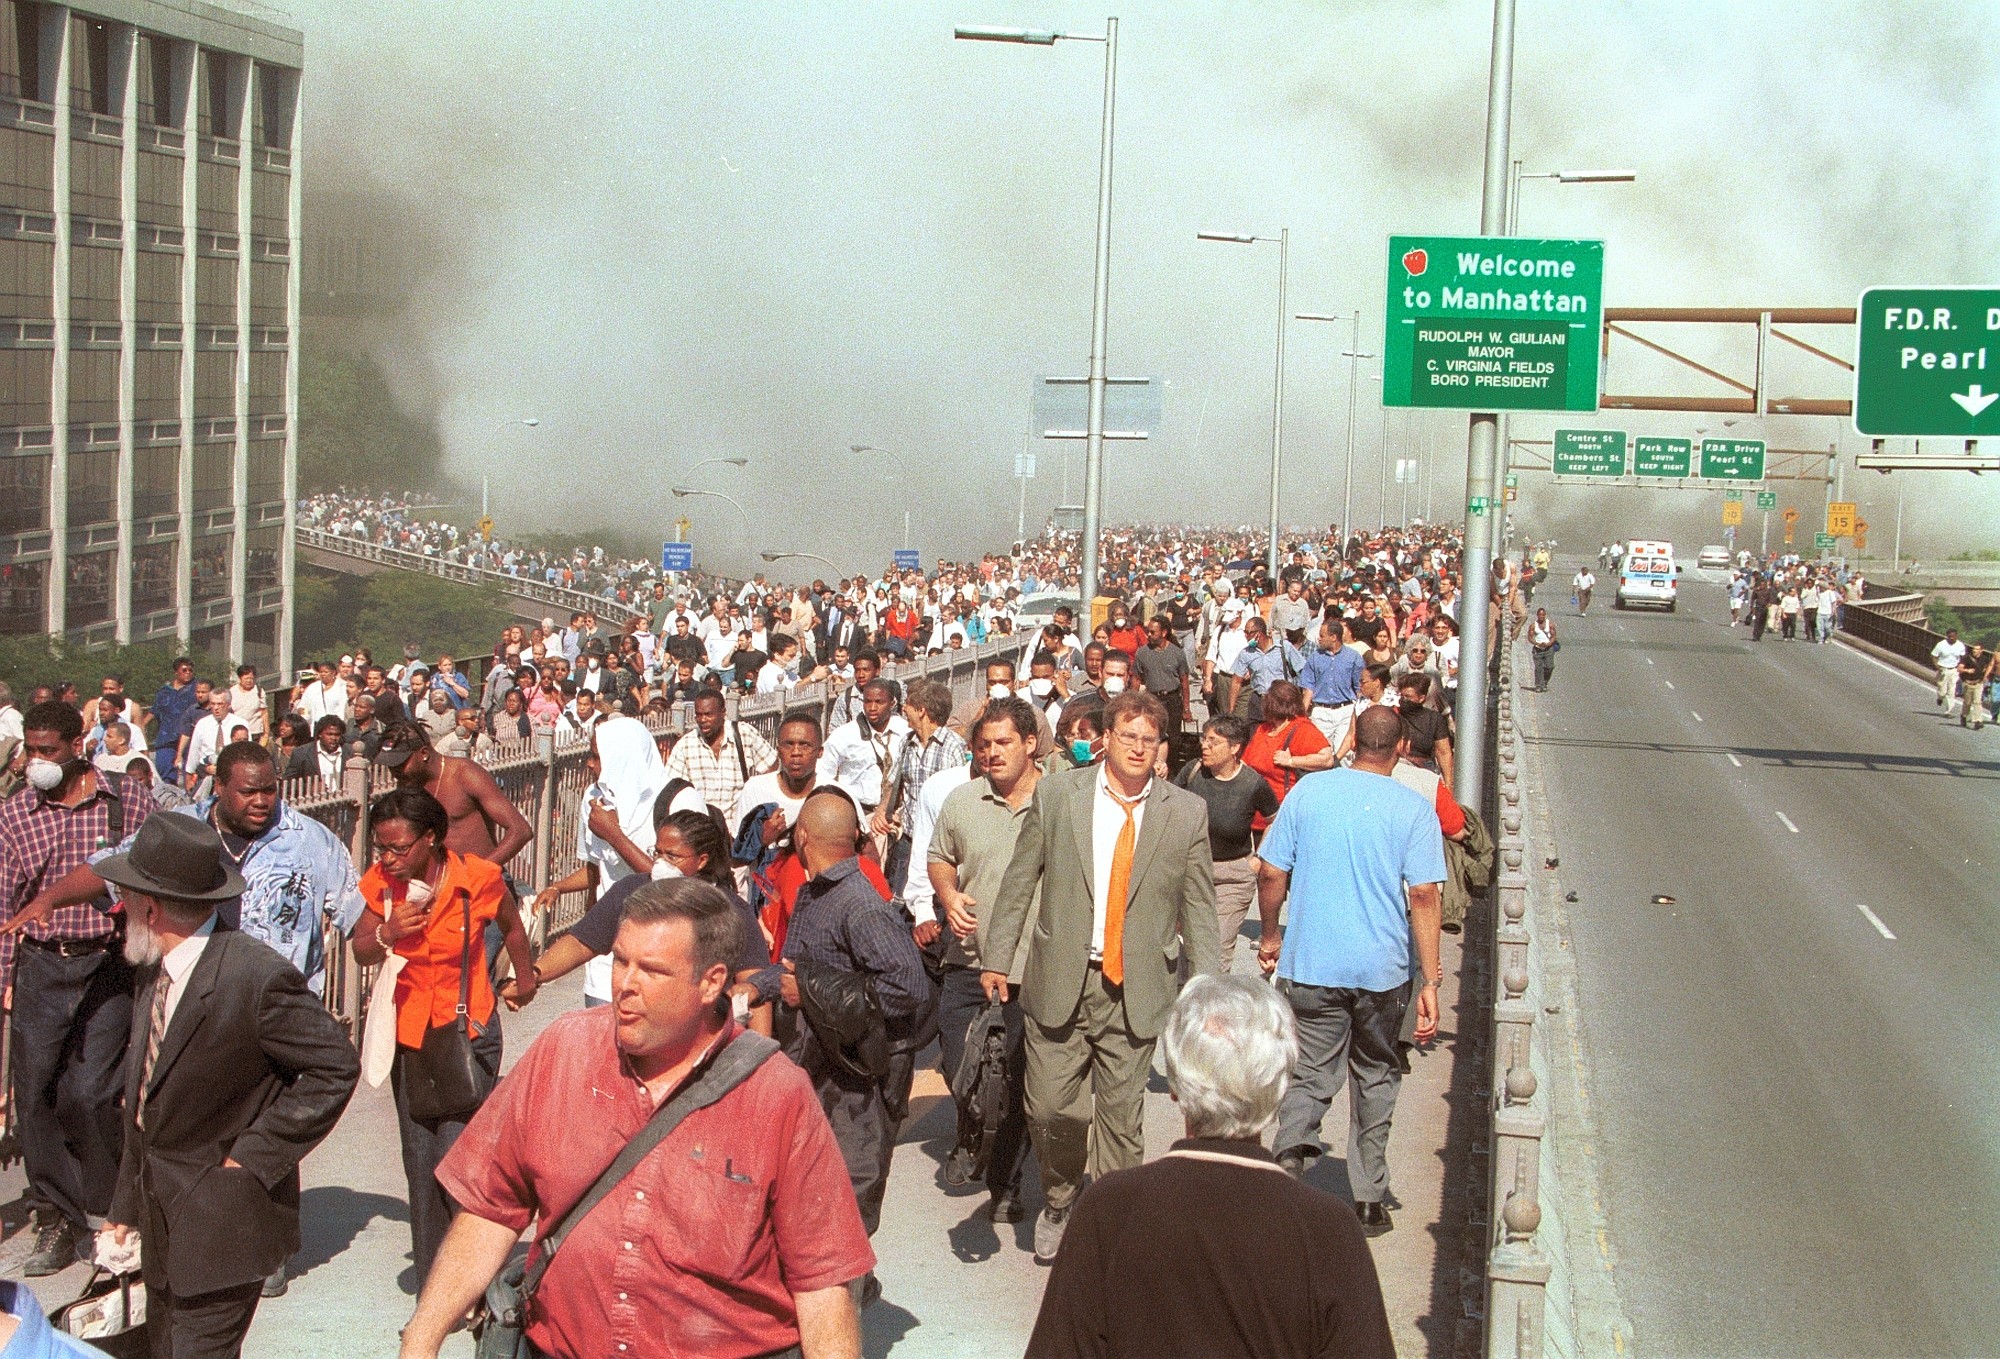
[{"x": 630, "y": 777}]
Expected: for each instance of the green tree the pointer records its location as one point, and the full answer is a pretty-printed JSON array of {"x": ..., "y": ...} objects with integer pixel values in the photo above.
[
  {"x": 400, "y": 608},
  {"x": 28, "y": 661},
  {"x": 1940, "y": 615},
  {"x": 352, "y": 432}
]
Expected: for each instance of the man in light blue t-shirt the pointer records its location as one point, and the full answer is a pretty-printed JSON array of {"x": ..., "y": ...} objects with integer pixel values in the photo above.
[{"x": 1362, "y": 858}]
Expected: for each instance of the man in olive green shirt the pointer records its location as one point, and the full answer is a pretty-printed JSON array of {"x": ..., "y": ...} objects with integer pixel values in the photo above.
[{"x": 970, "y": 849}]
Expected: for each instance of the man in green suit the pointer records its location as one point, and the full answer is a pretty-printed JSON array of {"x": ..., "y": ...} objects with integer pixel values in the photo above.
[{"x": 1127, "y": 887}]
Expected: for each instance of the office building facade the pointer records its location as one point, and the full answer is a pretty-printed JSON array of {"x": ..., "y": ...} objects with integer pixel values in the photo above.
[{"x": 149, "y": 323}]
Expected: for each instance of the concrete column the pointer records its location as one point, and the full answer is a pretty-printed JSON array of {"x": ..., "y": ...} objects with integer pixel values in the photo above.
[
  {"x": 187, "y": 72},
  {"x": 125, "y": 79},
  {"x": 56, "y": 56},
  {"x": 295, "y": 263},
  {"x": 243, "y": 87}
]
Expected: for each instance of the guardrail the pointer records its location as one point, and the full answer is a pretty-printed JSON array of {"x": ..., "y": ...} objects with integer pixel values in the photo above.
[
  {"x": 564, "y": 598},
  {"x": 1875, "y": 623},
  {"x": 1519, "y": 1271},
  {"x": 545, "y": 779}
]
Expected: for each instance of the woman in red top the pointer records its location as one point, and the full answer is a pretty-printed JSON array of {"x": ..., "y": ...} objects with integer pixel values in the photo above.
[
  {"x": 430, "y": 906},
  {"x": 1286, "y": 745}
]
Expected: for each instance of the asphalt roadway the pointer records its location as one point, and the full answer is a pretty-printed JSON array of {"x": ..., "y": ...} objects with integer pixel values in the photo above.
[{"x": 1797, "y": 1121}]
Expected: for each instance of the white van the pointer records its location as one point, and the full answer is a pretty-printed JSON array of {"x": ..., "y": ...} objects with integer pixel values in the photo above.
[{"x": 1649, "y": 575}]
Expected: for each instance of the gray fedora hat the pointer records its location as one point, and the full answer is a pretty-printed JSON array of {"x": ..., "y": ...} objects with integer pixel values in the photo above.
[{"x": 174, "y": 856}]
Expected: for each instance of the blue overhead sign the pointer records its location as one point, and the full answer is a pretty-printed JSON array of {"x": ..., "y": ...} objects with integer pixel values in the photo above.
[
  {"x": 677, "y": 557},
  {"x": 909, "y": 559}
]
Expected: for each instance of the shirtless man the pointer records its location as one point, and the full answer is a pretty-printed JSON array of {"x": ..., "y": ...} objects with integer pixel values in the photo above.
[{"x": 484, "y": 824}]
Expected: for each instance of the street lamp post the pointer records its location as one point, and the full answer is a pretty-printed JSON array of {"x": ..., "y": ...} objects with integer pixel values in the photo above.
[
  {"x": 682, "y": 492},
  {"x": 808, "y": 556},
  {"x": 1513, "y": 219},
  {"x": 1093, "y": 456},
  {"x": 1353, "y": 355},
  {"x": 709, "y": 462},
  {"x": 528, "y": 421},
  {"x": 902, "y": 475},
  {"x": 1283, "y": 240}
]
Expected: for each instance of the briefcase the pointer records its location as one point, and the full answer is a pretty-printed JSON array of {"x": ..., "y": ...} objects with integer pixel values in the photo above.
[{"x": 110, "y": 1313}]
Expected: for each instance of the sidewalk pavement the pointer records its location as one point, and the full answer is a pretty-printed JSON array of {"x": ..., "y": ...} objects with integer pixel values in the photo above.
[{"x": 954, "y": 1286}]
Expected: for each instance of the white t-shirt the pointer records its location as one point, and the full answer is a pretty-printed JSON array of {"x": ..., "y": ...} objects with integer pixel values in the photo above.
[
  {"x": 762, "y": 788},
  {"x": 1584, "y": 581},
  {"x": 1948, "y": 654},
  {"x": 1447, "y": 661}
]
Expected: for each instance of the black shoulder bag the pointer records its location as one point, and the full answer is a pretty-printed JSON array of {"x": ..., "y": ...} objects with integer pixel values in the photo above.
[
  {"x": 444, "y": 1079},
  {"x": 502, "y": 1329}
]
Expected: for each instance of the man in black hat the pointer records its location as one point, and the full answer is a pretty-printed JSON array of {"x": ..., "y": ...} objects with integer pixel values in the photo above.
[{"x": 215, "y": 1129}]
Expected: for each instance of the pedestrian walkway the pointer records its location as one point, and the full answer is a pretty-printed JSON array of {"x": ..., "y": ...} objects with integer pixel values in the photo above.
[{"x": 954, "y": 1285}]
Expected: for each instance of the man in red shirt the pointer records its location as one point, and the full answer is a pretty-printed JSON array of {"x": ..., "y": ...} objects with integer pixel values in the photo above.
[{"x": 737, "y": 1235}]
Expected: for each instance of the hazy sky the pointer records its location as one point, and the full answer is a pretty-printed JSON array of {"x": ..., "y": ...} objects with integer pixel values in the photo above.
[{"x": 672, "y": 232}]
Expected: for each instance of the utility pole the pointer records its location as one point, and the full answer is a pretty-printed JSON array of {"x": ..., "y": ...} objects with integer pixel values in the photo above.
[{"x": 1482, "y": 438}]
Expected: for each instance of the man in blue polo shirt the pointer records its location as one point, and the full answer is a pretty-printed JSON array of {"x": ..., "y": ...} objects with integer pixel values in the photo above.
[
  {"x": 1262, "y": 662},
  {"x": 1362, "y": 858},
  {"x": 1331, "y": 678}
]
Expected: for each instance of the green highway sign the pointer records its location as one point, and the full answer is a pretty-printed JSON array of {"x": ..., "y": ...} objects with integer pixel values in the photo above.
[
  {"x": 1733, "y": 459},
  {"x": 1513, "y": 480},
  {"x": 1767, "y": 500},
  {"x": 1927, "y": 363},
  {"x": 1733, "y": 493},
  {"x": 1479, "y": 504},
  {"x": 1662, "y": 457},
  {"x": 1493, "y": 323},
  {"x": 1822, "y": 542},
  {"x": 1589, "y": 453}
]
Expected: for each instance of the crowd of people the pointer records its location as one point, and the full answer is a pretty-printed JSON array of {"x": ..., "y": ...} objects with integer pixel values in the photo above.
[{"x": 782, "y": 926}]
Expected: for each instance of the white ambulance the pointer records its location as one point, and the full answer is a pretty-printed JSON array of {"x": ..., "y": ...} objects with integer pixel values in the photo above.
[{"x": 1648, "y": 575}]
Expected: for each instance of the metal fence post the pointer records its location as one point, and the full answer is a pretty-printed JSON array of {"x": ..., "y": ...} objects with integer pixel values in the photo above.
[
  {"x": 545, "y": 752},
  {"x": 354, "y": 789}
]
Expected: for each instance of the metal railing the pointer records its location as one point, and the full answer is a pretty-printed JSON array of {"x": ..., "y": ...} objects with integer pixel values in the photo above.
[
  {"x": 1876, "y": 623},
  {"x": 1518, "y": 1269},
  {"x": 544, "y": 778},
  {"x": 562, "y": 597}
]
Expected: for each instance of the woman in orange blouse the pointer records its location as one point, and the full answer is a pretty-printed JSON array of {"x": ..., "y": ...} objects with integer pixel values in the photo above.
[
  {"x": 1286, "y": 745},
  {"x": 422, "y": 903}
]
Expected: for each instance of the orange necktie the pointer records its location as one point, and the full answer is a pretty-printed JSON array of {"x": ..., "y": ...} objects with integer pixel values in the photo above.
[{"x": 1115, "y": 892}]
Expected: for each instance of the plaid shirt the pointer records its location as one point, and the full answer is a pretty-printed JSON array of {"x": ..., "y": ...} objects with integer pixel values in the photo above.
[
  {"x": 921, "y": 759},
  {"x": 719, "y": 777},
  {"x": 41, "y": 840},
  {"x": 842, "y": 921}
]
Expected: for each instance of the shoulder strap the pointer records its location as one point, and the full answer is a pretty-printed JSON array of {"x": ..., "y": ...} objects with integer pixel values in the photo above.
[
  {"x": 114, "y": 817},
  {"x": 742, "y": 764},
  {"x": 731, "y": 1067}
]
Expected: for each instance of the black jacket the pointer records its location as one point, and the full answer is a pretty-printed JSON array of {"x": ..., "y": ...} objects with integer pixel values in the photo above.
[
  {"x": 841, "y": 1011},
  {"x": 251, "y": 1068}
]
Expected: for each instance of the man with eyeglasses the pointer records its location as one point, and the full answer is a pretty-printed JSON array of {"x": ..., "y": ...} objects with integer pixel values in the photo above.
[{"x": 1121, "y": 861}]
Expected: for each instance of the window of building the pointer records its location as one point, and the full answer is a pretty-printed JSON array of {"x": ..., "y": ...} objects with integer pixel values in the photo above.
[
  {"x": 260, "y": 642},
  {"x": 161, "y": 90},
  {"x": 90, "y": 65},
  {"x": 266, "y": 471},
  {"x": 24, "y": 598},
  {"x": 215, "y": 291},
  {"x": 93, "y": 284},
  {"x": 21, "y": 51},
  {"x": 27, "y": 170},
  {"x": 93, "y": 386},
  {"x": 156, "y": 480},
  {"x": 87, "y": 594},
  {"x": 209, "y": 576},
  {"x": 25, "y": 375},
  {"x": 159, "y": 289},
  {"x": 261, "y": 550},
  {"x": 277, "y": 91},
  {"x": 156, "y": 385},
  {"x": 24, "y": 494},
  {"x": 221, "y": 98},
  {"x": 93, "y": 180},
  {"x": 214, "y": 476},
  {"x": 93, "y": 487},
  {"x": 160, "y": 189},
  {"x": 153, "y": 578},
  {"x": 27, "y": 279}
]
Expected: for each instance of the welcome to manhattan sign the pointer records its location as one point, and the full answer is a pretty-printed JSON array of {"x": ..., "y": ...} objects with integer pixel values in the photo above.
[{"x": 1493, "y": 323}]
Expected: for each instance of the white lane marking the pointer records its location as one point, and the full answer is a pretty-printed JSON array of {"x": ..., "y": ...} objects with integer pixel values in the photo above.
[
  {"x": 1874, "y": 920},
  {"x": 1788, "y": 823},
  {"x": 1649, "y": 660},
  {"x": 1733, "y": 760},
  {"x": 1876, "y": 661},
  {"x": 1668, "y": 683},
  {"x": 1697, "y": 716}
]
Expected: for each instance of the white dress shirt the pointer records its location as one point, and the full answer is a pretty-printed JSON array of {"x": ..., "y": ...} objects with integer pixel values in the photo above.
[
  {"x": 856, "y": 756},
  {"x": 1107, "y": 820},
  {"x": 178, "y": 963}
]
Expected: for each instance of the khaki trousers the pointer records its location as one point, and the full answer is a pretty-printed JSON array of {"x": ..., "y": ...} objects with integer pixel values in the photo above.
[
  {"x": 1085, "y": 1092},
  {"x": 1235, "y": 890}
]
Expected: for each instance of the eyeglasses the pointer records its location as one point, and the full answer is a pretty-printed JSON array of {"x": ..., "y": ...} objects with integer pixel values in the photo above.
[
  {"x": 1135, "y": 740},
  {"x": 386, "y": 850}
]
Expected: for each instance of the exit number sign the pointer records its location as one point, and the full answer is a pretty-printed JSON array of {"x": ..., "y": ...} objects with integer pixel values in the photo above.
[{"x": 1493, "y": 323}]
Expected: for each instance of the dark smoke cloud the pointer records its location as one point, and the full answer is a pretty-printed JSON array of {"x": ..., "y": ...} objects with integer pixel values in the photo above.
[{"x": 679, "y": 232}]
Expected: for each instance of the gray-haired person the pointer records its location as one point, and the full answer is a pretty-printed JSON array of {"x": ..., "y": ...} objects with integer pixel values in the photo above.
[{"x": 1259, "y": 1263}]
